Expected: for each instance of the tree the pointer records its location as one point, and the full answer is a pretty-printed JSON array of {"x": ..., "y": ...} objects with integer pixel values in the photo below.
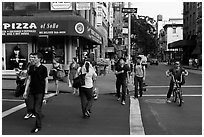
[{"x": 143, "y": 34}]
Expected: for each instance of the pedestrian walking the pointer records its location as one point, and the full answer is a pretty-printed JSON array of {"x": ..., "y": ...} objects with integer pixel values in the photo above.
[
  {"x": 28, "y": 102},
  {"x": 86, "y": 91},
  {"x": 56, "y": 67},
  {"x": 72, "y": 72},
  {"x": 177, "y": 71},
  {"x": 121, "y": 71},
  {"x": 139, "y": 77},
  {"x": 38, "y": 83}
]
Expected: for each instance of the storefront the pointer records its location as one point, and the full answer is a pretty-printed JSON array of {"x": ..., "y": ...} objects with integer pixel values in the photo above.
[
  {"x": 183, "y": 50},
  {"x": 62, "y": 37}
]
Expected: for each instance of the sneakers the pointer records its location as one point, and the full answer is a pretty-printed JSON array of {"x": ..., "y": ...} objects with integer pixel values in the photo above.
[
  {"x": 33, "y": 116},
  {"x": 123, "y": 103},
  {"x": 168, "y": 100},
  {"x": 35, "y": 130},
  {"x": 29, "y": 115},
  {"x": 118, "y": 99}
]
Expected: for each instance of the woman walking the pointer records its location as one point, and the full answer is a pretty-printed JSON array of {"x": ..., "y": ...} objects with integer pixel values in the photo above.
[
  {"x": 56, "y": 67},
  {"x": 86, "y": 91},
  {"x": 73, "y": 69}
]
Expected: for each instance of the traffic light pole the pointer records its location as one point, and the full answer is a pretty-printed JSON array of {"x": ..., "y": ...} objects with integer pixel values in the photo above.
[{"x": 129, "y": 32}]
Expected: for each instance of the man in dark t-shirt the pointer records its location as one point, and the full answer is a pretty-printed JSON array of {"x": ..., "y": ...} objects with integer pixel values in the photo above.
[
  {"x": 121, "y": 75},
  {"x": 37, "y": 81}
]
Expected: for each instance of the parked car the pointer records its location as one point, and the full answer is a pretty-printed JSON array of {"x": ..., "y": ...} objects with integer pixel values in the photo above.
[{"x": 154, "y": 61}]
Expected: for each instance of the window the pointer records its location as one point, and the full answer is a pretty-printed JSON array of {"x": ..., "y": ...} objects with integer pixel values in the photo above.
[
  {"x": 25, "y": 5},
  {"x": 8, "y": 6},
  {"x": 44, "y": 6},
  {"x": 174, "y": 30}
]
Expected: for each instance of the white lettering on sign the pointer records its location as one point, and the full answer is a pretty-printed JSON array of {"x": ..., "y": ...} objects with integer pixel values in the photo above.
[
  {"x": 19, "y": 26},
  {"x": 49, "y": 26}
]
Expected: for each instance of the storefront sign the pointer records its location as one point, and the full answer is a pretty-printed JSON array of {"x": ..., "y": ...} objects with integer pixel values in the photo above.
[
  {"x": 79, "y": 28},
  {"x": 61, "y": 5},
  {"x": 92, "y": 34},
  {"x": 49, "y": 26},
  {"x": 83, "y": 6}
]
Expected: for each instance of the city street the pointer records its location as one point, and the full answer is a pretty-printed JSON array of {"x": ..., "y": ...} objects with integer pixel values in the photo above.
[{"x": 62, "y": 113}]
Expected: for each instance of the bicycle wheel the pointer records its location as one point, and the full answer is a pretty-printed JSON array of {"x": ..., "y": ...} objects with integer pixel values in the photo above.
[
  {"x": 179, "y": 98},
  {"x": 174, "y": 95}
]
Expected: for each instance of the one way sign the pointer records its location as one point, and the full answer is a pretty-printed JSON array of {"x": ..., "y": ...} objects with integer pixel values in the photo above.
[{"x": 129, "y": 10}]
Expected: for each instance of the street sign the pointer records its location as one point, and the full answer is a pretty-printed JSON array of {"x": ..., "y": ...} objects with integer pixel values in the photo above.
[{"x": 129, "y": 10}]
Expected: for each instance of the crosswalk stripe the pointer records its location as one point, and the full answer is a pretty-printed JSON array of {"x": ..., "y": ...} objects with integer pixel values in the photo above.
[
  {"x": 12, "y": 110},
  {"x": 184, "y": 95},
  {"x": 13, "y": 100},
  {"x": 19, "y": 107},
  {"x": 184, "y": 86},
  {"x": 136, "y": 125}
]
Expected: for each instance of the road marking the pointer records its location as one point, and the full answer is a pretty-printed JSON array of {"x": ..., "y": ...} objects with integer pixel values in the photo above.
[
  {"x": 12, "y": 110},
  {"x": 13, "y": 100},
  {"x": 136, "y": 125},
  {"x": 184, "y": 95},
  {"x": 19, "y": 107},
  {"x": 184, "y": 86}
]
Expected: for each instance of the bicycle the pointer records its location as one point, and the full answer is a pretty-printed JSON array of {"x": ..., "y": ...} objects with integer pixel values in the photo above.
[{"x": 177, "y": 91}]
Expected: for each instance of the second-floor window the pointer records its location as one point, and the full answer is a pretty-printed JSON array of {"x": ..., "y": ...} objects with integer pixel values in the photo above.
[
  {"x": 17, "y": 6},
  {"x": 174, "y": 30}
]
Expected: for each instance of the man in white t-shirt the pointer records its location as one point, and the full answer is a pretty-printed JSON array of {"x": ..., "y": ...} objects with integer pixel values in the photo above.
[{"x": 139, "y": 76}]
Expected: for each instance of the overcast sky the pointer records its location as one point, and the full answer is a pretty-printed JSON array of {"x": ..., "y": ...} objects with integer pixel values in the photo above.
[{"x": 152, "y": 9}]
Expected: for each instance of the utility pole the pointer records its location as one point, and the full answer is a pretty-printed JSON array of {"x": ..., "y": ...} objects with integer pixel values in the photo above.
[{"x": 129, "y": 32}]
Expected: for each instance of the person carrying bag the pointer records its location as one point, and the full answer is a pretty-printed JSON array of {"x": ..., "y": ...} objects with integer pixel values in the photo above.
[{"x": 80, "y": 80}]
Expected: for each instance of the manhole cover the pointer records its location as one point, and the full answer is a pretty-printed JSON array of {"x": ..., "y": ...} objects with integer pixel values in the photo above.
[{"x": 159, "y": 101}]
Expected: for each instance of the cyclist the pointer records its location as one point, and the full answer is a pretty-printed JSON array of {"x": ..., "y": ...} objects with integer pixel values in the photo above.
[{"x": 177, "y": 71}]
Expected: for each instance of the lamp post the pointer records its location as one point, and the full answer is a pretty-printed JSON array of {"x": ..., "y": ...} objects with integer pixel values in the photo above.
[{"x": 129, "y": 32}]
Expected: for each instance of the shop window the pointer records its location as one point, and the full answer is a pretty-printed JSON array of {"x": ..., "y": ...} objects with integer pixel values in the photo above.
[
  {"x": 51, "y": 47},
  {"x": 25, "y": 5},
  {"x": 16, "y": 55}
]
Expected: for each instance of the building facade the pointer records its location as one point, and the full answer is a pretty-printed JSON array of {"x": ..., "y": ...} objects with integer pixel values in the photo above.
[
  {"x": 60, "y": 30},
  {"x": 172, "y": 31},
  {"x": 192, "y": 15}
]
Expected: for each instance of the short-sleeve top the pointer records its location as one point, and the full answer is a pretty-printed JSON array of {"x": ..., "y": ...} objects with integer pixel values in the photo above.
[
  {"x": 38, "y": 76},
  {"x": 122, "y": 76},
  {"x": 177, "y": 72}
]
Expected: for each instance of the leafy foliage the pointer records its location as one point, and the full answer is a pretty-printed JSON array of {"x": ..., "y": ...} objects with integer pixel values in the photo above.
[{"x": 143, "y": 34}]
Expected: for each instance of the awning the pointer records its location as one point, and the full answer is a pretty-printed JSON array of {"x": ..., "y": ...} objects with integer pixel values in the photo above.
[
  {"x": 71, "y": 25},
  {"x": 197, "y": 51},
  {"x": 181, "y": 44}
]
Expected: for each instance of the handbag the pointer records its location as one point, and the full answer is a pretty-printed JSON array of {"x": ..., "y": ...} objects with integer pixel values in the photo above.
[
  {"x": 60, "y": 74},
  {"x": 79, "y": 81},
  {"x": 51, "y": 73}
]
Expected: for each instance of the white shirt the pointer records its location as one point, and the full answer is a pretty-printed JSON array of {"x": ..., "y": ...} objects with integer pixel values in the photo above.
[
  {"x": 139, "y": 70},
  {"x": 89, "y": 76}
]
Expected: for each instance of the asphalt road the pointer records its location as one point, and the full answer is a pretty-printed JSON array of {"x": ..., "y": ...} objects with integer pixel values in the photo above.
[
  {"x": 161, "y": 118},
  {"x": 63, "y": 112}
]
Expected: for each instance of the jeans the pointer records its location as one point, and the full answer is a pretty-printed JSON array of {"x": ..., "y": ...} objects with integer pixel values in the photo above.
[
  {"x": 171, "y": 87},
  {"x": 86, "y": 95},
  {"x": 138, "y": 81},
  {"x": 122, "y": 83},
  {"x": 29, "y": 105},
  {"x": 36, "y": 101}
]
